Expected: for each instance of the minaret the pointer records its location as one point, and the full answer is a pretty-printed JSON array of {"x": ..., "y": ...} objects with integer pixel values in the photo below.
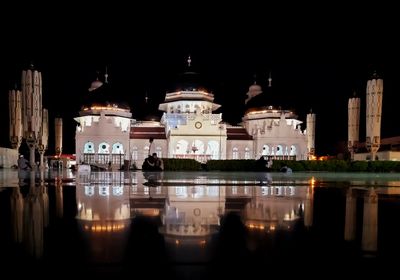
[
  {"x": 43, "y": 137},
  {"x": 311, "y": 134},
  {"x": 32, "y": 108},
  {"x": 374, "y": 112},
  {"x": 15, "y": 111},
  {"x": 59, "y": 135},
  {"x": 353, "y": 124}
]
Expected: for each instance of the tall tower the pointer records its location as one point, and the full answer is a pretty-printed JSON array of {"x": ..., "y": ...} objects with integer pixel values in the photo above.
[
  {"x": 353, "y": 124},
  {"x": 15, "y": 111},
  {"x": 59, "y": 135},
  {"x": 32, "y": 108},
  {"x": 311, "y": 134},
  {"x": 374, "y": 112}
]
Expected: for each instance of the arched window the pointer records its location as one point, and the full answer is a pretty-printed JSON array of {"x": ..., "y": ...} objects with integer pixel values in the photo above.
[
  {"x": 246, "y": 153},
  {"x": 279, "y": 150},
  {"x": 213, "y": 149},
  {"x": 145, "y": 152},
  {"x": 89, "y": 148},
  {"x": 135, "y": 153},
  {"x": 159, "y": 152},
  {"x": 235, "y": 153},
  {"x": 293, "y": 150},
  {"x": 182, "y": 147},
  {"x": 104, "y": 148},
  {"x": 265, "y": 150},
  {"x": 117, "y": 148}
]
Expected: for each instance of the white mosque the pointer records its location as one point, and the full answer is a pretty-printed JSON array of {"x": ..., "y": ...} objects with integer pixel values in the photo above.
[{"x": 188, "y": 128}]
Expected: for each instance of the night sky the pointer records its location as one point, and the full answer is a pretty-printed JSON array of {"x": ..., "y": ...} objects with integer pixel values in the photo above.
[{"x": 317, "y": 62}]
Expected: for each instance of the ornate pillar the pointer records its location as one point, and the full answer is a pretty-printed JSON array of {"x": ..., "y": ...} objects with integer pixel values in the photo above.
[
  {"x": 353, "y": 125},
  {"x": 373, "y": 117},
  {"x": 15, "y": 117}
]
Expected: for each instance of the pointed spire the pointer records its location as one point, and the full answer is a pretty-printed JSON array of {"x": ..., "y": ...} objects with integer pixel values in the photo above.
[
  {"x": 146, "y": 98},
  {"x": 189, "y": 61},
  {"x": 255, "y": 78},
  {"x": 354, "y": 93},
  {"x": 270, "y": 79},
  {"x": 310, "y": 110},
  {"x": 106, "y": 76}
]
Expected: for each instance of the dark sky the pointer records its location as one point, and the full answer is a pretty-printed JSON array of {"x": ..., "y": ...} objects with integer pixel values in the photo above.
[{"x": 317, "y": 60}]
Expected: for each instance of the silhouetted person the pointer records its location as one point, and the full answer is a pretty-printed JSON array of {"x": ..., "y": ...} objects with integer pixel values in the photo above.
[
  {"x": 148, "y": 164},
  {"x": 261, "y": 164}
]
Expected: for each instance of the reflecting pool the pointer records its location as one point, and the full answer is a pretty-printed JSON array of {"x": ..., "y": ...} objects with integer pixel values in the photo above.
[{"x": 198, "y": 225}]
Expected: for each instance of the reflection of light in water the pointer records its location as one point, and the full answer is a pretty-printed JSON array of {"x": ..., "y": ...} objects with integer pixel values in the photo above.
[
  {"x": 370, "y": 221},
  {"x": 17, "y": 209},
  {"x": 33, "y": 220},
  {"x": 350, "y": 218}
]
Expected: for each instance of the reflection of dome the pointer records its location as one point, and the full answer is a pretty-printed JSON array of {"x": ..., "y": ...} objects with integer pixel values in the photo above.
[{"x": 95, "y": 85}]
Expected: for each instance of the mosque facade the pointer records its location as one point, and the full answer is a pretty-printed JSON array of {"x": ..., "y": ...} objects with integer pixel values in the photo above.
[{"x": 189, "y": 128}]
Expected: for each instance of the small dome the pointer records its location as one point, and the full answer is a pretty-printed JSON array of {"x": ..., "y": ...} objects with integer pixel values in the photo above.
[{"x": 95, "y": 85}]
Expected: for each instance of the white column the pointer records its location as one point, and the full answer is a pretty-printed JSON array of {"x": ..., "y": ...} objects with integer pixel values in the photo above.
[{"x": 310, "y": 134}]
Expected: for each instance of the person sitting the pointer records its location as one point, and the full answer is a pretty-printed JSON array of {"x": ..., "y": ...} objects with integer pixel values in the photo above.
[
  {"x": 158, "y": 163},
  {"x": 286, "y": 169},
  {"x": 148, "y": 163},
  {"x": 23, "y": 163},
  {"x": 261, "y": 164}
]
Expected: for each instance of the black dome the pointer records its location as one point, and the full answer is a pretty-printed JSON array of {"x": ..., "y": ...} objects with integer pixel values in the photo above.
[
  {"x": 189, "y": 81},
  {"x": 104, "y": 96}
]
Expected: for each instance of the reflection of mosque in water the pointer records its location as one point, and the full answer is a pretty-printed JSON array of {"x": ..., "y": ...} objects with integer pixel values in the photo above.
[{"x": 187, "y": 210}]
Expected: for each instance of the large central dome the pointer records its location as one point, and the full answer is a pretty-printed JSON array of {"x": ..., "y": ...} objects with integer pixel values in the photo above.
[{"x": 189, "y": 81}]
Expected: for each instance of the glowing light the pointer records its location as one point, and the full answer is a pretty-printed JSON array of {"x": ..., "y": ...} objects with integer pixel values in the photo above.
[{"x": 312, "y": 182}]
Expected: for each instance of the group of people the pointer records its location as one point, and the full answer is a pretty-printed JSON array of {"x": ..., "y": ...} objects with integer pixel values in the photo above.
[{"x": 153, "y": 163}]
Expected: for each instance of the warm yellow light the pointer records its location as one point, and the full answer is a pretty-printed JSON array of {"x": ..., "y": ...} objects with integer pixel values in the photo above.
[
  {"x": 177, "y": 242},
  {"x": 272, "y": 227},
  {"x": 312, "y": 182}
]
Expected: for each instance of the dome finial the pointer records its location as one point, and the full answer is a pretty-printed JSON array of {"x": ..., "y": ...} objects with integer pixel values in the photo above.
[
  {"x": 189, "y": 61},
  {"x": 146, "y": 98},
  {"x": 255, "y": 78},
  {"x": 270, "y": 79}
]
